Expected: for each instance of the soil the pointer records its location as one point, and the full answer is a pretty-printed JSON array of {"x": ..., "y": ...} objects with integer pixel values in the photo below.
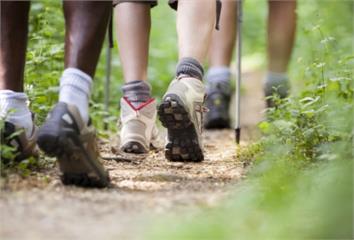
[{"x": 143, "y": 188}]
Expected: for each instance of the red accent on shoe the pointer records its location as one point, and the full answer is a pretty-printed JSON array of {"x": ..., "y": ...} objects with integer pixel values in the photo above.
[{"x": 141, "y": 105}]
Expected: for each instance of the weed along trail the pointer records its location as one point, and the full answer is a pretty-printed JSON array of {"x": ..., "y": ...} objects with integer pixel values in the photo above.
[{"x": 143, "y": 188}]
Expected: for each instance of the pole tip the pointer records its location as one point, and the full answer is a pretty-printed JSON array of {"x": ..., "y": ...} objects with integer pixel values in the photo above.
[{"x": 238, "y": 135}]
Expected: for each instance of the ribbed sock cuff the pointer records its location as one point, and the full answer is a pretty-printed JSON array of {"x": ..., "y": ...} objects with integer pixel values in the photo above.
[
  {"x": 274, "y": 77},
  {"x": 218, "y": 79},
  {"x": 13, "y": 107},
  {"x": 190, "y": 67},
  {"x": 137, "y": 92},
  {"x": 10, "y": 100},
  {"x": 9, "y": 94},
  {"x": 218, "y": 74},
  {"x": 76, "y": 78}
]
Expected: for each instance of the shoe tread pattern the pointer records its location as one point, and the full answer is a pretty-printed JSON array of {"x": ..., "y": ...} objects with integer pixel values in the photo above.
[{"x": 183, "y": 144}]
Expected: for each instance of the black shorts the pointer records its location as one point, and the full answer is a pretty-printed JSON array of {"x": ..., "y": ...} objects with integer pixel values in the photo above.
[{"x": 153, "y": 3}]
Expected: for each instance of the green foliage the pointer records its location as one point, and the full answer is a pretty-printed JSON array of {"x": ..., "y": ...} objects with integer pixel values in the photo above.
[
  {"x": 301, "y": 183},
  {"x": 45, "y": 54}
]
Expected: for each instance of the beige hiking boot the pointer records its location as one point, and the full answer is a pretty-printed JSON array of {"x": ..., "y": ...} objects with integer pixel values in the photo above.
[
  {"x": 138, "y": 130},
  {"x": 181, "y": 112}
]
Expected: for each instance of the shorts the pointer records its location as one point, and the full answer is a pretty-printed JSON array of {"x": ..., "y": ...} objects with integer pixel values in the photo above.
[{"x": 173, "y": 3}]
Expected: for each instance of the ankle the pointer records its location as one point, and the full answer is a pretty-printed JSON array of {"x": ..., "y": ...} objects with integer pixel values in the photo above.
[
  {"x": 75, "y": 89},
  {"x": 190, "y": 67},
  {"x": 276, "y": 77},
  {"x": 137, "y": 92},
  {"x": 219, "y": 78},
  {"x": 14, "y": 109}
]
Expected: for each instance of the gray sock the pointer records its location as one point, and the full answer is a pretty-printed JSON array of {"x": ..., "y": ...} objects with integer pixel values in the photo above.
[
  {"x": 278, "y": 81},
  {"x": 190, "y": 67},
  {"x": 218, "y": 78},
  {"x": 137, "y": 92}
]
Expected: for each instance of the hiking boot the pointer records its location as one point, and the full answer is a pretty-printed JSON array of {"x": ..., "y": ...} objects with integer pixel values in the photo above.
[
  {"x": 218, "y": 103},
  {"x": 138, "y": 130},
  {"x": 15, "y": 136},
  {"x": 181, "y": 112},
  {"x": 280, "y": 88},
  {"x": 66, "y": 136}
]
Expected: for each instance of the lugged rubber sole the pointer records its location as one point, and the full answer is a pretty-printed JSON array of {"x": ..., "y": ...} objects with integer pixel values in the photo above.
[
  {"x": 183, "y": 144},
  {"x": 77, "y": 167},
  {"x": 133, "y": 147}
]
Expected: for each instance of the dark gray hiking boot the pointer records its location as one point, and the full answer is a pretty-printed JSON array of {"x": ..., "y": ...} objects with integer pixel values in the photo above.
[
  {"x": 66, "y": 136},
  {"x": 218, "y": 103}
]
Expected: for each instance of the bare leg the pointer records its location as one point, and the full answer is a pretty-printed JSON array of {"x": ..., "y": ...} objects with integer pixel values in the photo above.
[
  {"x": 223, "y": 41},
  {"x": 133, "y": 23},
  {"x": 195, "y": 23},
  {"x": 86, "y": 25},
  {"x": 133, "y": 31},
  {"x": 186, "y": 94},
  {"x": 219, "y": 74},
  {"x": 14, "y": 29},
  {"x": 281, "y": 34}
]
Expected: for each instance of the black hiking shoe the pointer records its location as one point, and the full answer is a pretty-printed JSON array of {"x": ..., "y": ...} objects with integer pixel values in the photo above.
[
  {"x": 218, "y": 103},
  {"x": 14, "y": 136},
  {"x": 66, "y": 136}
]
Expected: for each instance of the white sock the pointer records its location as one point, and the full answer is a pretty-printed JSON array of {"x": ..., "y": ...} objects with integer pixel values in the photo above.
[
  {"x": 75, "y": 89},
  {"x": 14, "y": 109}
]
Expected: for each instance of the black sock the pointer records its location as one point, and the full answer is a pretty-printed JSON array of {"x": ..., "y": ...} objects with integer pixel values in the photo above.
[{"x": 190, "y": 67}]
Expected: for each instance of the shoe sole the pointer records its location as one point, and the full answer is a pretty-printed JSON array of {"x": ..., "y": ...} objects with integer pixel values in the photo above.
[
  {"x": 183, "y": 143},
  {"x": 77, "y": 167},
  {"x": 134, "y": 147}
]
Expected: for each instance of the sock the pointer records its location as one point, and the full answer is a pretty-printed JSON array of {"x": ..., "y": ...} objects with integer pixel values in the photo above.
[
  {"x": 75, "y": 89},
  {"x": 280, "y": 80},
  {"x": 137, "y": 92},
  {"x": 13, "y": 107},
  {"x": 219, "y": 78},
  {"x": 190, "y": 67}
]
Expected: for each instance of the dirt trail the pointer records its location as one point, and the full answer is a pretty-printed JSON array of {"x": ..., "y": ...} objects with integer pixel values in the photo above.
[{"x": 144, "y": 188}]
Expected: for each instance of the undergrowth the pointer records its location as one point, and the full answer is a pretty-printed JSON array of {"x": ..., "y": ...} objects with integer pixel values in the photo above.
[{"x": 300, "y": 184}]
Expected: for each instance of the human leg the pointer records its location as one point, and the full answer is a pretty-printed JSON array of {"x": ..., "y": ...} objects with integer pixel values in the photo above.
[
  {"x": 181, "y": 111},
  {"x": 281, "y": 36},
  {"x": 13, "y": 101},
  {"x": 83, "y": 43},
  {"x": 67, "y": 132},
  {"x": 133, "y": 23},
  {"x": 219, "y": 75}
]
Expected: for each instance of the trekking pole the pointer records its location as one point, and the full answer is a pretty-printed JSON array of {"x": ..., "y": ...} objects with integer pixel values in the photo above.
[
  {"x": 238, "y": 71},
  {"x": 107, "y": 82},
  {"x": 108, "y": 71}
]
